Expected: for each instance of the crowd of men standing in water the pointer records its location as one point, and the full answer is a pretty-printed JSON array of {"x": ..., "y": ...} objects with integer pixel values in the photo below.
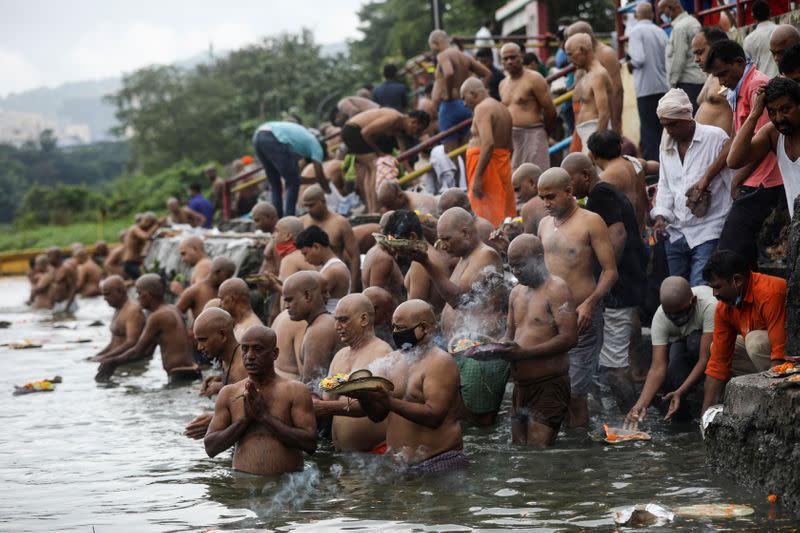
[{"x": 511, "y": 256}]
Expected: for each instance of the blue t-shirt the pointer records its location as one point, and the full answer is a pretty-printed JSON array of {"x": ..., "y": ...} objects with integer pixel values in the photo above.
[
  {"x": 299, "y": 139},
  {"x": 204, "y": 207},
  {"x": 391, "y": 93}
]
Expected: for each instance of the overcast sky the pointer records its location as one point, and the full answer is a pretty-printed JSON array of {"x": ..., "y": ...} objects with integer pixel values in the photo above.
[{"x": 45, "y": 43}]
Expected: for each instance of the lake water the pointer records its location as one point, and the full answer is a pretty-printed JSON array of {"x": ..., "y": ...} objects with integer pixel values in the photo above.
[{"x": 112, "y": 458}]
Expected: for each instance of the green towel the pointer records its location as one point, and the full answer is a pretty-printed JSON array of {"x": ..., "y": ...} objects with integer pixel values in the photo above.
[{"x": 349, "y": 167}]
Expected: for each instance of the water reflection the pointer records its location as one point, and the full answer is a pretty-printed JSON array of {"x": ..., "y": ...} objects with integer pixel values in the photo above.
[{"x": 113, "y": 457}]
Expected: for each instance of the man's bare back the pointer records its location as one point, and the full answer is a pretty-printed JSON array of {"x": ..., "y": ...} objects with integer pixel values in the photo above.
[
  {"x": 492, "y": 113},
  {"x": 621, "y": 174},
  {"x": 89, "y": 276},
  {"x": 380, "y": 270},
  {"x": 714, "y": 109},
  {"x": 290, "y": 335},
  {"x": 593, "y": 91},
  {"x": 453, "y": 67}
]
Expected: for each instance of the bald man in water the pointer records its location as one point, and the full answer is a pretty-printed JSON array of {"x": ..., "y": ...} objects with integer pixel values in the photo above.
[
  {"x": 302, "y": 297},
  {"x": 164, "y": 327},
  {"x": 423, "y": 431},
  {"x": 354, "y": 318},
  {"x": 62, "y": 288},
  {"x": 343, "y": 241},
  {"x": 575, "y": 240},
  {"x": 593, "y": 90},
  {"x": 136, "y": 238},
  {"x": 380, "y": 269},
  {"x": 475, "y": 296},
  {"x": 527, "y": 96},
  {"x": 235, "y": 299},
  {"x": 89, "y": 275},
  {"x": 783, "y": 37},
  {"x": 682, "y": 331},
  {"x": 391, "y": 196},
  {"x": 193, "y": 254},
  {"x": 194, "y": 299},
  {"x": 610, "y": 62},
  {"x": 127, "y": 323},
  {"x": 267, "y": 419},
  {"x": 41, "y": 278},
  {"x": 213, "y": 331},
  {"x": 489, "y": 154},
  {"x": 457, "y": 197},
  {"x": 531, "y": 208},
  {"x": 290, "y": 340},
  {"x": 542, "y": 328}
]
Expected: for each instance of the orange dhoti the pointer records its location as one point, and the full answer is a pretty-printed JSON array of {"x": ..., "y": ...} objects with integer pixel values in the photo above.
[{"x": 498, "y": 200}]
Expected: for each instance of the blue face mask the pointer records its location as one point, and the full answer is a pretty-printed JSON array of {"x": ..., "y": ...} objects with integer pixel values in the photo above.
[{"x": 666, "y": 19}]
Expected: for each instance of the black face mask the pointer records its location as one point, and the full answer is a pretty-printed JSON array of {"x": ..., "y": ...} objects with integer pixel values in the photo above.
[{"x": 405, "y": 337}]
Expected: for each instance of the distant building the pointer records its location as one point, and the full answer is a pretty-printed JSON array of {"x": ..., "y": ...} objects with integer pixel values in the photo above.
[
  {"x": 524, "y": 17},
  {"x": 17, "y": 128}
]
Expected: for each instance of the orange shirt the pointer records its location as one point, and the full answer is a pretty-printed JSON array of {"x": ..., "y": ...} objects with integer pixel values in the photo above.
[{"x": 763, "y": 308}]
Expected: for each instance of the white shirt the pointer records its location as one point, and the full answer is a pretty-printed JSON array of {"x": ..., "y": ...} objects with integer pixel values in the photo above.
[
  {"x": 756, "y": 44},
  {"x": 790, "y": 170},
  {"x": 675, "y": 178},
  {"x": 663, "y": 331}
]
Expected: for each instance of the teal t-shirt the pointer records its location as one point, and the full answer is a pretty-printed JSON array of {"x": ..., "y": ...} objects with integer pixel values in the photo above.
[{"x": 302, "y": 142}]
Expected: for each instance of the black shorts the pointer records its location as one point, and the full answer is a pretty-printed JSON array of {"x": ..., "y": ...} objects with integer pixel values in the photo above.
[
  {"x": 131, "y": 270},
  {"x": 352, "y": 138}
]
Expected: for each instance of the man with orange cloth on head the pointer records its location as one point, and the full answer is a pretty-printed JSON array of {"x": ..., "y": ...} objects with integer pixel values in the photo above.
[{"x": 491, "y": 192}]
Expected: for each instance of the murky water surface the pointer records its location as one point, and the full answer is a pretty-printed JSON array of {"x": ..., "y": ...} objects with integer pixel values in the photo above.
[{"x": 112, "y": 458}]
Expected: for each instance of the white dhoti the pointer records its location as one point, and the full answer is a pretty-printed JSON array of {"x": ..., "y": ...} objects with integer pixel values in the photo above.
[
  {"x": 530, "y": 146},
  {"x": 585, "y": 130}
]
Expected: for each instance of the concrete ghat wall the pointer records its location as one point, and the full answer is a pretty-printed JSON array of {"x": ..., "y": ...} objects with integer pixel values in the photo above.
[
  {"x": 756, "y": 439},
  {"x": 245, "y": 252}
]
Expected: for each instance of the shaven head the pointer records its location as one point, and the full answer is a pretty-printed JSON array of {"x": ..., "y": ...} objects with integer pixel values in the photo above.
[
  {"x": 783, "y": 37},
  {"x": 382, "y": 303},
  {"x": 356, "y": 303},
  {"x": 439, "y": 37},
  {"x": 472, "y": 86},
  {"x": 644, "y": 11},
  {"x": 303, "y": 294},
  {"x": 214, "y": 319},
  {"x": 213, "y": 302},
  {"x": 191, "y": 250},
  {"x": 172, "y": 204},
  {"x": 151, "y": 284},
  {"x": 510, "y": 47},
  {"x": 577, "y": 162},
  {"x": 390, "y": 195},
  {"x": 113, "y": 290},
  {"x": 259, "y": 346},
  {"x": 413, "y": 312},
  {"x": 222, "y": 269},
  {"x": 292, "y": 226},
  {"x": 554, "y": 178},
  {"x": 582, "y": 172},
  {"x": 355, "y": 318},
  {"x": 304, "y": 280},
  {"x": 579, "y": 28},
  {"x": 675, "y": 294},
  {"x": 265, "y": 216},
  {"x": 234, "y": 288},
  {"x": 454, "y": 197},
  {"x": 525, "y": 180},
  {"x": 261, "y": 334},
  {"x": 314, "y": 194},
  {"x": 455, "y": 219}
]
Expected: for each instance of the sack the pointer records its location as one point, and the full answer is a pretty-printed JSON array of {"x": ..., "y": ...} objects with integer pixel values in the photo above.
[{"x": 698, "y": 201}]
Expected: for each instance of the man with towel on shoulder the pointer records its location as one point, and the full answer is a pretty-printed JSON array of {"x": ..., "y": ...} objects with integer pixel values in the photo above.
[{"x": 489, "y": 155}]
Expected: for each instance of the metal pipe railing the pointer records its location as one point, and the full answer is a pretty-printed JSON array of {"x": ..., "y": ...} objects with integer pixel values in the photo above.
[{"x": 432, "y": 141}]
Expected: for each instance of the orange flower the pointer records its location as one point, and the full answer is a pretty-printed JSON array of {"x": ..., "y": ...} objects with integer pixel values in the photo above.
[
  {"x": 247, "y": 160},
  {"x": 772, "y": 498}
]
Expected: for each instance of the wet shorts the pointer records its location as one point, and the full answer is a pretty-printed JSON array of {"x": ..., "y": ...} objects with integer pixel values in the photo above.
[
  {"x": 483, "y": 383},
  {"x": 131, "y": 269},
  {"x": 452, "y": 112},
  {"x": 545, "y": 401},
  {"x": 584, "y": 357},
  {"x": 184, "y": 375},
  {"x": 444, "y": 462}
]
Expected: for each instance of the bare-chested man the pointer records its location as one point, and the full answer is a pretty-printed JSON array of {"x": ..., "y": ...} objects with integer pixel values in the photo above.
[
  {"x": 41, "y": 278},
  {"x": 456, "y": 197},
  {"x": 384, "y": 305},
  {"x": 136, "y": 238},
  {"x": 375, "y": 133},
  {"x": 183, "y": 214},
  {"x": 354, "y": 317},
  {"x": 302, "y": 297},
  {"x": 63, "y": 288},
  {"x": 531, "y": 208},
  {"x": 164, "y": 327},
  {"x": 127, "y": 323},
  {"x": 593, "y": 90},
  {"x": 713, "y": 107},
  {"x": 607, "y": 57},
  {"x": 489, "y": 155},
  {"x": 423, "y": 431},
  {"x": 406, "y": 225},
  {"x": 197, "y": 296},
  {"x": 234, "y": 298},
  {"x": 542, "y": 328},
  {"x": 527, "y": 96},
  {"x": 340, "y": 233},
  {"x": 193, "y": 254},
  {"x": 267, "y": 419},
  {"x": 380, "y": 269},
  {"x": 475, "y": 296},
  {"x": 315, "y": 246},
  {"x": 113, "y": 263},
  {"x": 391, "y": 197},
  {"x": 575, "y": 240},
  {"x": 89, "y": 275},
  {"x": 452, "y": 67},
  {"x": 213, "y": 331},
  {"x": 290, "y": 340},
  {"x": 625, "y": 173},
  {"x": 265, "y": 217}
]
